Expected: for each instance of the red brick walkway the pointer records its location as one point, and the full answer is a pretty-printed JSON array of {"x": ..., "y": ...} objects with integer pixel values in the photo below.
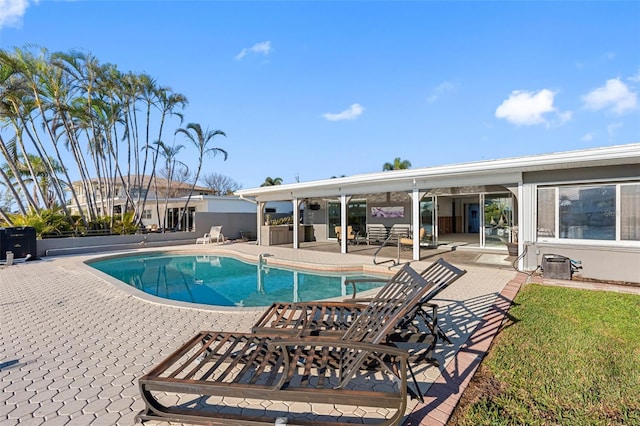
[{"x": 443, "y": 396}]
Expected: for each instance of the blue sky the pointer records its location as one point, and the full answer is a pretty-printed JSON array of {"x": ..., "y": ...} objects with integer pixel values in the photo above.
[{"x": 310, "y": 89}]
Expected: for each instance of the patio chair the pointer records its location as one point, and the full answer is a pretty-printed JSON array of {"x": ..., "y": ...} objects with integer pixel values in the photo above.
[
  {"x": 351, "y": 236},
  {"x": 215, "y": 233},
  {"x": 406, "y": 241},
  {"x": 332, "y": 318},
  {"x": 355, "y": 369}
]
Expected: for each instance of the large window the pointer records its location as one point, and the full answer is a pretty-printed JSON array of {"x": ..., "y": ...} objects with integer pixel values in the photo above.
[
  {"x": 630, "y": 212},
  {"x": 588, "y": 212},
  {"x": 547, "y": 212},
  {"x": 607, "y": 212}
]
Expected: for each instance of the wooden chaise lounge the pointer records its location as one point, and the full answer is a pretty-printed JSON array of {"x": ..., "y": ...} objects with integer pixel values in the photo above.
[
  {"x": 332, "y": 318},
  {"x": 355, "y": 369}
]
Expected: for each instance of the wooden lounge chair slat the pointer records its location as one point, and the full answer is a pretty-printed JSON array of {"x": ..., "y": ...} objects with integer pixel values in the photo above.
[
  {"x": 282, "y": 318},
  {"x": 194, "y": 357},
  {"x": 304, "y": 369},
  {"x": 231, "y": 344},
  {"x": 219, "y": 354},
  {"x": 273, "y": 374},
  {"x": 293, "y": 366},
  {"x": 292, "y": 319},
  {"x": 250, "y": 364},
  {"x": 323, "y": 370}
]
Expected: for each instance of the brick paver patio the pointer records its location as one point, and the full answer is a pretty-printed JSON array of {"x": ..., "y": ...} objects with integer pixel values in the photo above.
[{"x": 74, "y": 342}]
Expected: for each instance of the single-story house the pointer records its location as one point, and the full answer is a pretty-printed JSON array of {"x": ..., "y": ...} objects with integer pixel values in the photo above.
[{"x": 582, "y": 204}]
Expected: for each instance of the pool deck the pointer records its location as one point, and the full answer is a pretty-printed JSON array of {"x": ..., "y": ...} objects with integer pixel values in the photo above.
[{"x": 74, "y": 341}]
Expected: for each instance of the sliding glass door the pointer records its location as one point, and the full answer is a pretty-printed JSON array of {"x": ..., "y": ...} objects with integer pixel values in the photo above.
[
  {"x": 333, "y": 219},
  {"x": 498, "y": 219},
  {"x": 356, "y": 216},
  {"x": 428, "y": 221}
]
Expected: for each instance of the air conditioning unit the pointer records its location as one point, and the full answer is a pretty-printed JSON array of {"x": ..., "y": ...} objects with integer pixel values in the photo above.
[{"x": 555, "y": 266}]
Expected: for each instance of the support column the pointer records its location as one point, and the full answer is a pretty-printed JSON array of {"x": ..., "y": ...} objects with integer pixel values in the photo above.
[
  {"x": 343, "y": 223},
  {"x": 527, "y": 201},
  {"x": 481, "y": 213},
  {"x": 260, "y": 217},
  {"x": 296, "y": 222},
  {"x": 415, "y": 222}
]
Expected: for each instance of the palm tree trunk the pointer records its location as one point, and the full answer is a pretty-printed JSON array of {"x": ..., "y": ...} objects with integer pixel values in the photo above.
[
  {"x": 6, "y": 218},
  {"x": 13, "y": 191}
]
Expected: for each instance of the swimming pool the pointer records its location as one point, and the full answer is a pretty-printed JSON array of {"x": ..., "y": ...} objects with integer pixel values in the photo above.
[{"x": 223, "y": 281}]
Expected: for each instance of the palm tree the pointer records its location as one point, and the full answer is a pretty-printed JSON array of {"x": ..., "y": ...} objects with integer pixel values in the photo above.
[
  {"x": 397, "y": 164},
  {"x": 7, "y": 172},
  {"x": 168, "y": 104},
  {"x": 169, "y": 153},
  {"x": 50, "y": 92},
  {"x": 15, "y": 103},
  {"x": 103, "y": 117},
  {"x": 201, "y": 140},
  {"x": 41, "y": 183},
  {"x": 90, "y": 116},
  {"x": 7, "y": 182},
  {"x": 272, "y": 181}
]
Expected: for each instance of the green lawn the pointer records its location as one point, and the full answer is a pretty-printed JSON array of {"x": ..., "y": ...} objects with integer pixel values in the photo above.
[{"x": 568, "y": 357}]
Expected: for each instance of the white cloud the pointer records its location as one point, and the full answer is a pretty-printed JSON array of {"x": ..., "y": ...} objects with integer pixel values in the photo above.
[
  {"x": 563, "y": 117},
  {"x": 349, "y": 114},
  {"x": 614, "y": 95},
  {"x": 609, "y": 56},
  {"x": 440, "y": 90},
  {"x": 587, "y": 138},
  {"x": 635, "y": 78},
  {"x": 12, "y": 11},
  {"x": 263, "y": 48},
  {"x": 528, "y": 108}
]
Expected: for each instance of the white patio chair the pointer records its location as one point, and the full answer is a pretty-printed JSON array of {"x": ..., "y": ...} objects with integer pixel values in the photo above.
[{"x": 213, "y": 234}]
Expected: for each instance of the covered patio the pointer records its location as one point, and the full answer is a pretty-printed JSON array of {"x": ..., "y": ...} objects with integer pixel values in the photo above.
[{"x": 429, "y": 209}]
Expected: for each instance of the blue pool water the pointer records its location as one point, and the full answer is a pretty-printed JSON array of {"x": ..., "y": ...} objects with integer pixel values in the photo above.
[{"x": 223, "y": 281}]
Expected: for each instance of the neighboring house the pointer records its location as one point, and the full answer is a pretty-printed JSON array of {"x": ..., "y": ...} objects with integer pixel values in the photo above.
[
  {"x": 581, "y": 204},
  {"x": 160, "y": 211}
]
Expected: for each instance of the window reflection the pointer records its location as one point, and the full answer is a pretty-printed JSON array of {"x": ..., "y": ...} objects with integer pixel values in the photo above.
[{"x": 588, "y": 212}]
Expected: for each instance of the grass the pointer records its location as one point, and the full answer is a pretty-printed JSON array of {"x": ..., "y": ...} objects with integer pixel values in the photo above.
[{"x": 567, "y": 357}]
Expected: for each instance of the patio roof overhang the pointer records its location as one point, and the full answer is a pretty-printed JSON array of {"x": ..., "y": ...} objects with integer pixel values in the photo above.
[{"x": 491, "y": 172}]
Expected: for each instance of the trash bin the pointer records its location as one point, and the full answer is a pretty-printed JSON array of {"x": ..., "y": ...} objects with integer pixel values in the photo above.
[
  {"x": 308, "y": 233},
  {"x": 19, "y": 240},
  {"x": 556, "y": 266}
]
